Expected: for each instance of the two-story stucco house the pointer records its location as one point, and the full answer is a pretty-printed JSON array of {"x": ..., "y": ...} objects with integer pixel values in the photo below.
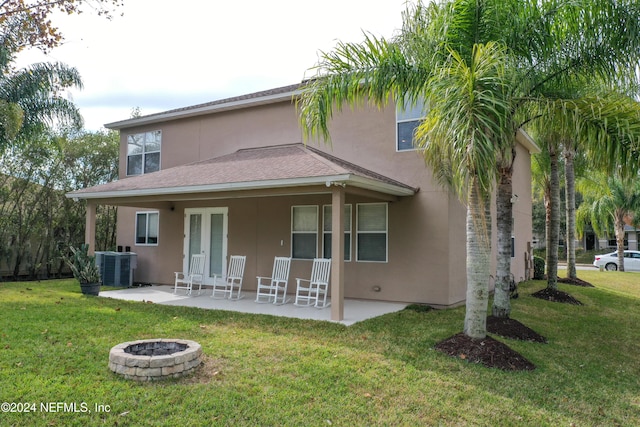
[{"x": 233, "y": 177}]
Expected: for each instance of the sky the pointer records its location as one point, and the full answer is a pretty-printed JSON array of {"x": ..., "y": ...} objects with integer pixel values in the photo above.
[{"x": 165, "y": 54}]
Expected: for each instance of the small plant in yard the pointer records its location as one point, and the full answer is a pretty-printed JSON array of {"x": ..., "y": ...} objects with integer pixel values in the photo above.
[
  {"x": 84, "y": 268},
  {"x": 538, "y": 268}
]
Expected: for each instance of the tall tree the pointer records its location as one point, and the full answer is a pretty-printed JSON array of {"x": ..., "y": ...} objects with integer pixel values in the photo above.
[
  {"x": 36, "y": 219},
  {"x": 28, "y": 23},
  {"x": 35, "y": 92},
  {"x": 31, "y": 98},
  {"x": 533, "y": 44},
  {"x": 559, "y": 45},
  {"x": 610, "y": 202},
  {"x": 435, "y": 58},
  {"x": 608, "y": 121},
  {"x": 604, "y": 126},
  {"x": 548, "y": 174}
]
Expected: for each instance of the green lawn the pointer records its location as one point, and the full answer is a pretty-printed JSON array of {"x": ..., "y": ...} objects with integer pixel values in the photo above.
[{"x": 267, "y": 371}]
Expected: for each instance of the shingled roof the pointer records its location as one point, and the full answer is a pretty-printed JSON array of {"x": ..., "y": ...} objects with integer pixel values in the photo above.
[
  {"x": 255, "y": 168},
  {"x": 279, "y": 94}
]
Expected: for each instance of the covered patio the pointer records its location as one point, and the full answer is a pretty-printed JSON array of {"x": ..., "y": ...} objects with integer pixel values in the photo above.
[
  {"x": 290, "y": 170},
  {"x": 355, "y": 310}
]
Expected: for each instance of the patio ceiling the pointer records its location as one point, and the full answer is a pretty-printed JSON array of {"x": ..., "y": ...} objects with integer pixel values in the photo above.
[{"x": 276, "y": 170}]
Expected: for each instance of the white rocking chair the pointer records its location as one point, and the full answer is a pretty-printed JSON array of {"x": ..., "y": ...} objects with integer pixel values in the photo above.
[
  {"x": 271, "y": 287},
  {"x": 313, "y": 292},
  {"x": 228, "y": 283},
  {"x": 186, "y": 280}
]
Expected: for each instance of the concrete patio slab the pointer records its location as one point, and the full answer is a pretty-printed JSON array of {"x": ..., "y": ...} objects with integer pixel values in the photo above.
[{"x": 354, "y": 310}]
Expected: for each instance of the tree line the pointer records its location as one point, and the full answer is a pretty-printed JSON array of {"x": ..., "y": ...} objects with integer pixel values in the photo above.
[{"x": 38, "y": 223}]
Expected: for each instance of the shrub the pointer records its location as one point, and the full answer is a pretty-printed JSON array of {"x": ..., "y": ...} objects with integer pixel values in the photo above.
[
  {"x": 82, "y": 265},
  {"x": 538, "y": 268}
]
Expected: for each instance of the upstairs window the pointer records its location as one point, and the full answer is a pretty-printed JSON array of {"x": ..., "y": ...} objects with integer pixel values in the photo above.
[
  {"x": 408, "y": 117},
  {"x": 143, "y": 152}
]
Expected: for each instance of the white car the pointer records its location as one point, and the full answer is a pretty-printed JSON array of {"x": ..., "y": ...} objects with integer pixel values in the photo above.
[{"x": 610, "y": 261}]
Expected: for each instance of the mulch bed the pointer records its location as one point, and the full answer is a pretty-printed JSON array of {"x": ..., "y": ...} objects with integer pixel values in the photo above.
[
  {"x": 488, "y": 352},
  {"x": 576, "y": 282},
  {"x": 494, "y": 354},
  {"x": 511, "y": 328},
  {"x": 556, "y": 296}
]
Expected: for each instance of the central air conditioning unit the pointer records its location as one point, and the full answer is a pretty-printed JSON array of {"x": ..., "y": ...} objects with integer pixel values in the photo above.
[{"x": 116, "y": 268}]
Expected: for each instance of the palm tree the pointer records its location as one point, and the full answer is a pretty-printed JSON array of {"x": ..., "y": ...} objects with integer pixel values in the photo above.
[
  {"x": 609, "y": 202},
  {"x": 494, "y": 57},
  {"x": 568, "y": 45},
  {"x": 604, "y": 127},
  {"x": 610, "y": 121},
  {"x": 463, "y": 84},
  {"x": 548, "y": 173},
  {"x": 31, "y": 98}
]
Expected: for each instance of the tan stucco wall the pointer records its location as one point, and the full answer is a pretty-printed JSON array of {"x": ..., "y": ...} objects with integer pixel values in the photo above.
[
  {"x": 523, "y": 224},
  {"x": 417, "y": 268},
  {"x": 426, "y": 234}
]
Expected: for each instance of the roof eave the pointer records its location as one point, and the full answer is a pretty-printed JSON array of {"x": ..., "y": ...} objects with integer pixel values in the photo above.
[
  {"x": 381, "y": 187},
  {"x": 527, "y": 142},
  {"x": 347, "y": 179}
]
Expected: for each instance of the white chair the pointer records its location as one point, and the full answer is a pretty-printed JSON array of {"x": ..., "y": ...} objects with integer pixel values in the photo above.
[
  {"x": 228, "y": 283},
  {"x": 314, "y": 291},
  {"x": 271, "y": 287},
  {"x": 186, "y": 280}
]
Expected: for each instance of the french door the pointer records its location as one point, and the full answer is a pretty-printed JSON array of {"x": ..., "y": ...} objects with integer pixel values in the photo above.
[{"x": 205, "y": 232}]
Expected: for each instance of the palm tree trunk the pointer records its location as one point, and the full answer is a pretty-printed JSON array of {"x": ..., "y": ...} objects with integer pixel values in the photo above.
[
  {"x": 478, "y": 258},
  {"x": 554, "y": 222},
  {"x": 504, "y": 221},
  {"x": 570, "y": 188},
  {"x": 547, "y": 221},
  {"x": 619, "y": 226}
]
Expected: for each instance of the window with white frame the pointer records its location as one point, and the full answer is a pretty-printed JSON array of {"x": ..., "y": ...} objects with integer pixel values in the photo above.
[
  {"x": 326, "y": 231},
  {"x": 304, "y": 232},
  {"x": 408, "y": 117},
  {"x": 371, "y": 232},
  {"x": 147, "y": 228},
  {"x": 143, "y": 152}
]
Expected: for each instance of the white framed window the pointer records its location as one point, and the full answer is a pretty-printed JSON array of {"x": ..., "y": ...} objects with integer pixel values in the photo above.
[
  {"x": 326, "y": 232},
  {"x": 147, "y": 225},
  {"x": 371, "y": 232},
  {"x": 143, "y": 152},
  {"x": 304, "y": 232},
  {"x": 408, "y": 117}
]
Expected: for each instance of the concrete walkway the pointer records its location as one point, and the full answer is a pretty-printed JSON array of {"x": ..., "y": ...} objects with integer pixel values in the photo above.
[{"x": 354, "y": 310}]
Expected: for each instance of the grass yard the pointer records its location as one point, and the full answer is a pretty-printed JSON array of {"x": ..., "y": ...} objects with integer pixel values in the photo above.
[{"x": 268, "y": 371}]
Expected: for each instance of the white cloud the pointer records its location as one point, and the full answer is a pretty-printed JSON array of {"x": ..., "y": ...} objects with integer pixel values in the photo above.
[{"x": 164, "y": 54}]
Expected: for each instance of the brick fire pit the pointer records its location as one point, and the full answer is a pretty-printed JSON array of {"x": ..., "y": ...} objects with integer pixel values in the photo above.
[{"x": 154, "y": 359}]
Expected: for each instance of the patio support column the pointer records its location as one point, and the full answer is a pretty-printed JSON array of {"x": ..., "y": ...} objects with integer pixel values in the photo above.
[
  {"x": 337, "y": 252},
  {"x": 90, "y": 228}
]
